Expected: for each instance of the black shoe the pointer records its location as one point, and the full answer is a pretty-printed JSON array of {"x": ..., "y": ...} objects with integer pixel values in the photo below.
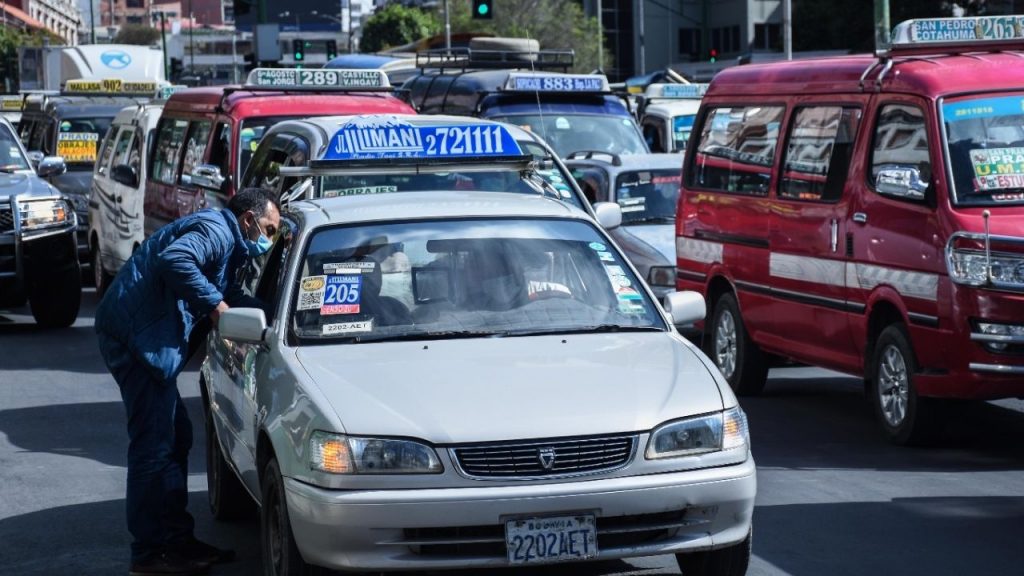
[
  {"x": 168, "y": 563},
  {"x": 199, "y": 551}
]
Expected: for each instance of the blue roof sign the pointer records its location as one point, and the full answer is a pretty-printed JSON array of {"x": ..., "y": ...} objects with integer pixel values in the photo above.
[
  {"x": 285, "y": 78},
  {"x": 388, "y": 136},
  {"x": 926, "y": 31},
  {"x": 691, "y": 91},
  {"x": 527, "y": 82}
]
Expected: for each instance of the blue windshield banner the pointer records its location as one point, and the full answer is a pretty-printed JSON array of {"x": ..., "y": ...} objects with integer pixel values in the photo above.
[
  {"x": 983, "y": 108},
  {"x": 379, "y": 137}
]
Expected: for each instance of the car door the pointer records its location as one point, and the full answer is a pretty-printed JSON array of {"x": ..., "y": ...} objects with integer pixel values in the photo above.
[
  {"x": 115, "y": 238},
  {"x": 160, "y": 205},
  {"x": 237, "y": 369},
  {"x": 808, "y": 221},
  {"x": 189, "y": 197}
]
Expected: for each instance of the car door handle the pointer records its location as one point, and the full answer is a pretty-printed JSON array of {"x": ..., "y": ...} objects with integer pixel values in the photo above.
[
  {"x": 835, "y": 234},
  {"x": 860, "y": 218}
]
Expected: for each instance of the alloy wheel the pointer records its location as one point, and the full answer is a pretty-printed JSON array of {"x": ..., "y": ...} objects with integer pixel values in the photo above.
[
  {"x": 893, "y": 386},
  {"x": 725, "y": 344}
]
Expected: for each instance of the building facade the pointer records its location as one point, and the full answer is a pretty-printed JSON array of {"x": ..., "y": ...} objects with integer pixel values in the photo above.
[{"x": 62, "y": 17}]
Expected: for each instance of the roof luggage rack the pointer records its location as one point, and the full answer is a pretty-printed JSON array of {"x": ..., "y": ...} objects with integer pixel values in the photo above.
[{"x": 463, "y": 59}]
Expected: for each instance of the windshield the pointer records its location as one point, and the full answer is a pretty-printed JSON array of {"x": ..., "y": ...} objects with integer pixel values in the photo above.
[
  {"x": 648, "y": 196},
  {"x": 11, "y": 158},
  {"x": 465, "y": 278},
  {"x": 568, "y": 133},
  {"x": 554, "y": 176},
  {"x": 78, "y": 138},
  {"x": 985, "y": 136},
  {"x": 681, "y": 128}
]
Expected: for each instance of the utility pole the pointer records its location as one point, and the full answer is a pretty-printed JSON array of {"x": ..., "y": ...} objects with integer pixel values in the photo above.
[
  {"x": 92, "y": 22},
  {"x": 191, "y": 45},
  {"x": 163, "y": 41},
  {"x": 351, "y": 45},
  {"x": 643, "y": 48},
  {"x": 787, "y": 28},
  {"x": 600, "y": 38},
  {"x": 447, "y": 28},
  {"x": 882, "y": 26}
]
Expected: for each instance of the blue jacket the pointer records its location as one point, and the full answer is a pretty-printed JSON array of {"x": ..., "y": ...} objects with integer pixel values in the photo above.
[{"x": 174, "y": 279}]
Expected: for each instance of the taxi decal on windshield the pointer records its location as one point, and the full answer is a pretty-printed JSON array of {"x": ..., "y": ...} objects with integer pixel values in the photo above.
[
  {"x": 389, "y": 136},
  {"x": 311, "y": 293},
  {"x": 342, "y": 294},
  {"x": 347, "y": 327},
  {"x": 360, "y": 191},
  {"x": 998, "y": 168},
  {"x": 77, "y": 146}
]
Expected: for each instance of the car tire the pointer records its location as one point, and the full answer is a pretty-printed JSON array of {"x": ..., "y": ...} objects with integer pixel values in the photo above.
[
  {"x": 281, "y": 556},
  {"x": 228, "y": 498},
  {"x": 729, "y": 346},
  {"x": 730, "y": 561},
  {"x": 906, "y": 418},
  {"x": 55, "y": 299},
  {"x": 100, "y": 277}
]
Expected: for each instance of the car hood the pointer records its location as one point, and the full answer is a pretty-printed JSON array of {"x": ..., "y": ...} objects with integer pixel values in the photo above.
[
  {"x": 24, "y": 184},
  {"x": 488, "y": 389},
  {"x": 661, "y": 236},
  {"x": 75, "y": 182}
]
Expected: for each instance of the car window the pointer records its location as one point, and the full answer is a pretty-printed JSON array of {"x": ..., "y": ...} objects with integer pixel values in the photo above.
[
  {"x": 647, "y": 195},
  {"x": 900, "y": 140},
  {"x": 568, "y": 133},
  {"x": 195, "y": 149},
  {"x": 736, "y": 150},
  {"x": 167, "y": 153},
  {"x": 11, "y": 157},
  {"x": 465, "y": 278},
  {"x": 818, "y": 152},
  {"x": 593, "y": 181},
  {"x": 220, "y": 150},
  {"x": 122, "y": 149},
  {"x": 78, "y": 139}
]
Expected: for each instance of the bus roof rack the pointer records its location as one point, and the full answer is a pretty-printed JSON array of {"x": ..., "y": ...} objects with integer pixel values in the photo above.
[{"x": 467, "y": 58}]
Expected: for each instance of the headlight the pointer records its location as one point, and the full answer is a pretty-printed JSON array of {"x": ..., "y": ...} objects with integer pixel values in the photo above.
[
  {"x": 709, "y": 433},
  {"x": 44, "y": 213},
  {"x": 340, "y": 454},
  {"x": 662, "y": 276},
  {"x": 968, "y": 267}
]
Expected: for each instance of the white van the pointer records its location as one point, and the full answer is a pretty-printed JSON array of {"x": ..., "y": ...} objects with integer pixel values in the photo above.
[{"x": 118, "y": 190}]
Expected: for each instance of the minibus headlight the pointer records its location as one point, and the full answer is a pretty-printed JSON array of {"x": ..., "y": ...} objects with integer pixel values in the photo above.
[
  {"x": 340, "y": 454},
  {"x": 968, "y": 267},
  {"x": 691, "y": 436}
]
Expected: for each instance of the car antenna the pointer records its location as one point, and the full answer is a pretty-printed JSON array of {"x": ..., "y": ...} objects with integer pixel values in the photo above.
[{"x": 540, "y": 110}]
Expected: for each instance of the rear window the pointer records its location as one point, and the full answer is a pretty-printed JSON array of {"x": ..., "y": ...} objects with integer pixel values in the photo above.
[{"x": 736, "y": 150}]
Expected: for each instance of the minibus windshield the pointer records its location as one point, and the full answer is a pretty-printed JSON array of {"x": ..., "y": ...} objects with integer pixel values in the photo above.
[{"x": 985, "y": 138}]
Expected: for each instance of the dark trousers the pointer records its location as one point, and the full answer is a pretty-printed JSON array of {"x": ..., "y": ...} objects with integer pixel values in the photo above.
[{"x": 160, "y": 436}]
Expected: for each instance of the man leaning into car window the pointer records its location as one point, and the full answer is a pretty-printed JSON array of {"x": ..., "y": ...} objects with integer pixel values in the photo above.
[{"x": 178, "y": 281}]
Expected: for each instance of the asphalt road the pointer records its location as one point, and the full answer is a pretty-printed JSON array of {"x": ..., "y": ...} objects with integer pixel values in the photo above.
[{"x": 833, "y": 498}]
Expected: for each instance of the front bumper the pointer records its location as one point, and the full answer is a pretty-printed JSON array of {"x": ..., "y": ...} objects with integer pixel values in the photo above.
[{"x": 464, "y": 527}]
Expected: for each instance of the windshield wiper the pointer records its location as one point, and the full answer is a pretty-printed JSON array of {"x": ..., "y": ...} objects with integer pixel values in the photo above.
[
  {"x": 597, "y": 329},
  {"x": 440, "y": 335},
  {"x": 650, "y": 220}
]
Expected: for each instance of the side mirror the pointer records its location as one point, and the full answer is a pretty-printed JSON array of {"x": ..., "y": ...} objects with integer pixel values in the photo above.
[
  {"x": 125, "y": 174},
  {"x": 685, "y": 307},
  {"x": 51, "y": 166},
  {"x": 243, "y": 325},
  {"x": 207, "y": 176},
  {"x": 609, "y": 215},
  {"x": 35, "y": 157},
  {"x": 902, "y": 182}
]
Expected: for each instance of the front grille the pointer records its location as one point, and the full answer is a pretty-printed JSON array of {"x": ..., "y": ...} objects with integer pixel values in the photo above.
[
  {"x": 614, "y": 532},
  {"x": 545, "y": 458},
  {"x": 6, "y": 218}
]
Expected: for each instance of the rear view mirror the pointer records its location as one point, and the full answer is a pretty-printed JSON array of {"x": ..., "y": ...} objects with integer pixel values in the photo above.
[
  {"x": 685, "y": 307},
  {"x": 431, "y": 285},
  {"x": 51, "y": 166},
  {"x": 902, "y": 182},
  {"x": 609, "y": 215},
  {"x": 243, "y": 325},
  {"x": 124, "y": 174}
]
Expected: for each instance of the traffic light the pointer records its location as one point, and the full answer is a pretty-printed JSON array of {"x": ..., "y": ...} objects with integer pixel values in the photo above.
[
  {"x": 332, "y": 50},
  {"x": 299, "y": 50},
  {"x": 713, "y": 55},
  {"x": 483, "y": 9}
]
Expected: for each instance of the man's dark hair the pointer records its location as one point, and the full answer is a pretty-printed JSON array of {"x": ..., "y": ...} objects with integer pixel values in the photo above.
[{"x": 252, "y": 199}]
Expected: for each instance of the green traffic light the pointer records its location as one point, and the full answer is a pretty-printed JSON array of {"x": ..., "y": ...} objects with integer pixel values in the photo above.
[
  {"x": 298, "y": 55},
  {"x": 483, "y": 9}
]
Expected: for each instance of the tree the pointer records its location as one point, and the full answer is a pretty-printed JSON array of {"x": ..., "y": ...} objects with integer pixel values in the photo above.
[
  {"x": 137, "y": 34},
  {"x": 396, "y": 25},
  {"x": 555, "y": 24}
]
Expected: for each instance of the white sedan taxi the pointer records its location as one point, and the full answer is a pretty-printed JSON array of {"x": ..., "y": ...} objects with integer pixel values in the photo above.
[{"x": 449, "y": 379}]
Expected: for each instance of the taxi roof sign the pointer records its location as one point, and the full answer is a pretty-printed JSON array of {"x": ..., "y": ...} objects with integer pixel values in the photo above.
[
  {"x": 112, "y": 86},
  {"x": 317, "y": 79},
  {"x": 385, "y": 136},
  {"x": 957, "y": 31},
  {"x": 679, "y": 91},
  {"x": 11, "y": 103},
  {"x": 539, "y": 82}
]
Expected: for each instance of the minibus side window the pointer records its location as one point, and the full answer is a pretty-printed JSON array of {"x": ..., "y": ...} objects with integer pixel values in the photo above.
[
  {"x": 167, "y": 152},
  {"x": 195, "y": 149},
  {"x": 818, "y": 152},
  {"x": 901, "y": 142},
  {"x": 736, "y": 150},
  {"x": 108, "y": 147}
]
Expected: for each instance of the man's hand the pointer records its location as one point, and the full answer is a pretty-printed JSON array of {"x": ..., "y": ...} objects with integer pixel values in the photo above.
[{"x": 216, "y": 312}]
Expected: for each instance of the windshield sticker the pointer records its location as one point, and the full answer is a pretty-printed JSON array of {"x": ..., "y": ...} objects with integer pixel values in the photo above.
[
  {"x": 606, "y": 256},
  {"x": 77, "y": 146},
  {"x": 347, "y": 328},
  {"x": 311, "y": 293},
  {"x": 597, "y": 246},
  {"x": 630, "y": 301},
  {"x": 618, "y": 277},
  {"x": 65, "y": 126},
  {"x": 632, "y": 204},
  {"x": 360, "y": 191},
  {"x": 983, "y": 108},
  {"x": 998, "y": 168},
  {"x": 349, "y": 267},
  {"x": 342, "y": 294},
  {"x": 391, "y": 136},
  {"x": 666, "y": 180}
]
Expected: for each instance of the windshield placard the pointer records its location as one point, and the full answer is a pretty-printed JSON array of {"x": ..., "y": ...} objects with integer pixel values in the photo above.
[
  {"x": 379, "y": 137},
  {"x": 998, "y": 168},
  {"x": 77, "y": 146},
  {"x": 965, "y": 30},
  {"x": 557, "y": 83},
  {"x": 298, "y": 78}
]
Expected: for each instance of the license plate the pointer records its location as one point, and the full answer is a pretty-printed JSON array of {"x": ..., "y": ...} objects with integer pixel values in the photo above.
[{"x": 551, "y": 539}]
